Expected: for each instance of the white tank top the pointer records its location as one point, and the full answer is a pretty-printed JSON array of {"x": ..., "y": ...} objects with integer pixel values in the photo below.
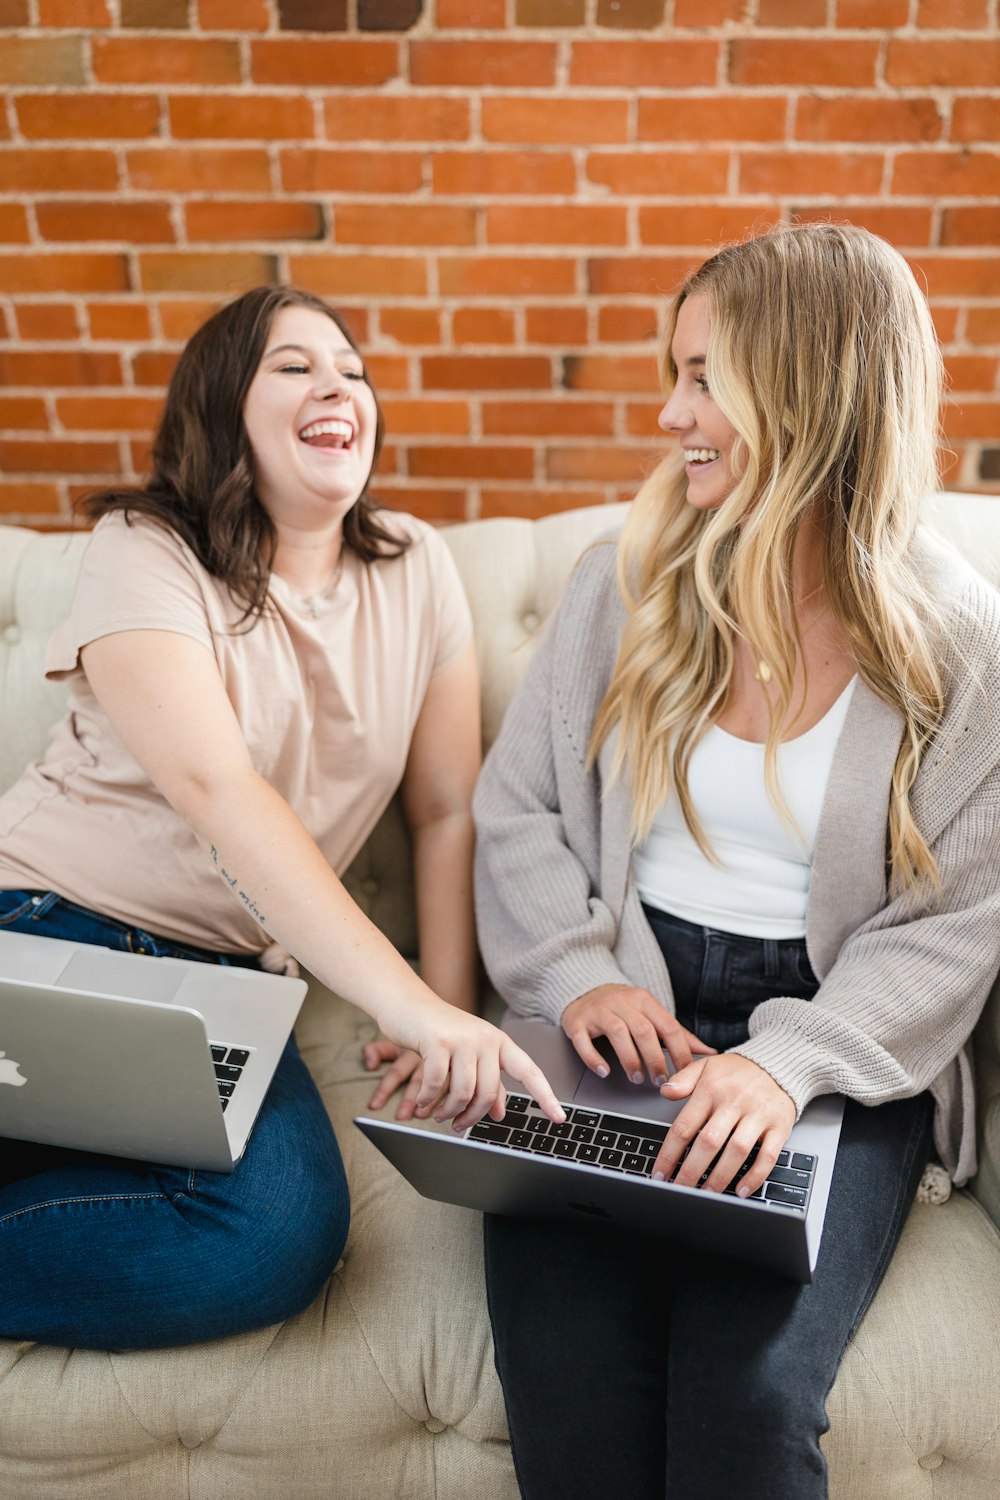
[{"x": 761, "y": 887}]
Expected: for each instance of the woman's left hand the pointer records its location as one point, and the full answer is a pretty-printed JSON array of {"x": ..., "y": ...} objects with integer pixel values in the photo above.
[
  {"x": 732, "y": 1106},
  {"x": 406, "y": 1067}
]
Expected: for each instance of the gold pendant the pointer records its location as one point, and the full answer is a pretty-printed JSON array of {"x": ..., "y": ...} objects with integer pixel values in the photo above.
[{"x": 763, "y": 672}]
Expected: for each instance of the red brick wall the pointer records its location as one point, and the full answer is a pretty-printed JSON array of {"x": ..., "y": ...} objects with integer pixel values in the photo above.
[{"x": 498, "y": 192}]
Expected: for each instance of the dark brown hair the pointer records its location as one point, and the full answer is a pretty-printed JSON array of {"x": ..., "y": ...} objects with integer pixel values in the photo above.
[{"x": 202, "y": 485}]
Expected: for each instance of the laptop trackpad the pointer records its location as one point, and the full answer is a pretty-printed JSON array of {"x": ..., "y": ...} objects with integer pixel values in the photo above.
[{"x": 107, "y": 973}]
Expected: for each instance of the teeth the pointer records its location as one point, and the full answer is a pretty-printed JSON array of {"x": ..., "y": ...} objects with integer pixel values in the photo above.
[
  {"x": 329, "y": 427},
  {"x": 700, "y": 455}
]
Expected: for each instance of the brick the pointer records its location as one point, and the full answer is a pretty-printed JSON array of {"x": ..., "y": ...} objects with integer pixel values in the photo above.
[
  {"x": 154, "y": 15},
  {"x": 971, "y": 372},
  {"x": 841, "y": 173},
  {"x": 196, "y": 271},
  {"x": 423, "y": 224},
  {"x": 13, "y": 224},
  {"x": 699, "y": 13},
  {"x": 972, "y": 224},
  {"x": 254, "y": 117},
  {"x": 43, "y": 322},
  {"x": 312, "y": 169},
  {"x": 233, "y": 15},
  {"x": 536, "y": 122},
  {"x": 983, "y": 325},
  {"x": 638, "y": 275},
  {"x": 949, "y": 174},
  {"x": 600, "y": 462},
  {"x": 389, "y": 15},
  {"x": 153, "y": 367},
  {"x": 641, "y": 417},
  {"x": 48, "y": 61},
  {"x": 957, "y": 276},
  {"x": 787, "y": 14},
  {"x": 411, "y": 325},
  {"x": 524, "y": 173},
  {"x": 360, "y": 275},
  {"x": 871, "y": 14},
  {"x": 23, "y": 413},
  {"x": 436, "y": 504},
  {"x": 478, "y": 462},
  {"x": 989, "y": 464},
  {"x": 503, "y": 64},
  {"x": 660, "y": 173},
  {"x": 937, "y": 62},
  {"x": 555, "y": 325},
  {"x": 85, "y": 14},
  {"x": 13, "y": 14},
  {"x": 953, "y": 15},
  {"x": 67, "y": 367},
  {"x": 312, "y": 15},
  {"x": 482, "y": 325},
  {"x": 559, "y": 224},
  {"x": 376, "y": 118},
  {"x": 535, "y": 502},
  {"x": 826, "y": 62},
  {"x": 491, "y": 276},
  {"x": 407, "y": 417},
  {"x": 471, "y": 15},
  {"x": 630, "y": 15},
  {"x": 610, "y": 372},
  {"x": 104, "y": 219},
  {"x": 170, "y": 60},
  {"x": 626, "y": 323},
  {"x": 88, "y": 117},
  {"x": 901, "y": 225},
  {"x": 354, "y": 63},
  {"x": 140, "y": 457},
  {"x": 52, "y": 455},
  {"x": 723, "y": 117},
  {"x": 273, "y": 219},
  {"x": 945, "y": 320},
  {"x": 27, "y": 499},
  {"x": 703, "y": 223},
  {"x": 550, "y": 13},
  {"x": 198, "y": 169},
  {"x": 182, "y": 316},
  {"x": 109, "y": 413},
  {"x": 485, "y": 372},
  {"x": 390, "y": 372},
  {"x": 64, "y": 273},
  {"x": 643, "y": 64},
  {"x": 975, "y": 419},
  {"x": 851, "y": 118},
  {"x": 125, "y": 322},
  {"x": 562, "y": 418},
  {"x": 976, "y": 119}
]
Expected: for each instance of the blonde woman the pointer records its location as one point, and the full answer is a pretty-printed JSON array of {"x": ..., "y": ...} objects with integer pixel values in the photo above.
[{"x": 745, "y": 814}]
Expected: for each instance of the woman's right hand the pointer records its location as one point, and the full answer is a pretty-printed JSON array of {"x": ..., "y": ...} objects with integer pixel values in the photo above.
[{"x": 638, "y": 1028}]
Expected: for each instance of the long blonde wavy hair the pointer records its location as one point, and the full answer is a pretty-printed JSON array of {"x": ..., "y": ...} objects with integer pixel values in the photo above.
[{"x": 822, "y": 357}]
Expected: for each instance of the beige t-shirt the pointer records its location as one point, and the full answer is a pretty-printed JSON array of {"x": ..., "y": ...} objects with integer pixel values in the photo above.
[{"x": 327, "y": 707}]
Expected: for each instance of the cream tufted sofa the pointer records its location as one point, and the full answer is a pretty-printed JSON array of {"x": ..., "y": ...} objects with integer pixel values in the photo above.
[{"x": 385, "y": 1387}]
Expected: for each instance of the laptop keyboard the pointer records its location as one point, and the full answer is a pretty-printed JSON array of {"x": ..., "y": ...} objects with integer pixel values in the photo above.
[
  {"x": 229, "y": 1064},
  {"x": 617, "y": 1143}
]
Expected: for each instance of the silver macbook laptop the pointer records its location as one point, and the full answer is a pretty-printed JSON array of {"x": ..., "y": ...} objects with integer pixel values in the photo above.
[
  {"x": 595, "y": 1169},
  {"x": 157, "y": 1059}
]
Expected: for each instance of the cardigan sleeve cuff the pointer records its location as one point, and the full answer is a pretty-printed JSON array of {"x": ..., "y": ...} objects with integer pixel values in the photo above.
[{"x": 565, "y": 979}]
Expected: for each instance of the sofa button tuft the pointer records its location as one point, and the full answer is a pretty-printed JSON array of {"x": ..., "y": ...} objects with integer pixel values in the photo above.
[
  {"x": 190, "y": 1442},
  {"x": 433, "y": 1425},
  {"x": 12, "y": 634},
  {"x": 931, "y": 1461}
]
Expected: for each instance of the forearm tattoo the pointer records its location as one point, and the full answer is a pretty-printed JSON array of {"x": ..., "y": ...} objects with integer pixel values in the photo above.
[{"x": 233, "y": 883}]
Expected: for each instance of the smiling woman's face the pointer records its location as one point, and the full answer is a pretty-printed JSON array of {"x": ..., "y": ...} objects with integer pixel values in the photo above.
[
  {"x": 310, "y": 416},
  {"x": 705, "y": 435}
]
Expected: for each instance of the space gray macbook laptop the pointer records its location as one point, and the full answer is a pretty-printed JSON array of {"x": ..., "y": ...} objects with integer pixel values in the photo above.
[
  {"x": 158, "y": 1059},
  {"x": 595, "y": 1169}
]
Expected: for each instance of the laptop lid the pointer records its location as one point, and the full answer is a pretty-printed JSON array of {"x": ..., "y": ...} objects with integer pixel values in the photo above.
[{"x": 111, "y": 1052}]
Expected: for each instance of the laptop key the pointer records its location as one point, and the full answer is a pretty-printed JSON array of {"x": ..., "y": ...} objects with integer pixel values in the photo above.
[
  {"x": 789, "y": 1178},
  {"x": 223, "y": 1102},
  {"x": 628, "y": 1142},
  {"x": 231, "y": 1075},
  {"x": 542, "y": 1143},
  {"x": 489, "y": 1131},
  {"x": 635, "y": 1163},
  {"x": 218, "y": 1053},
  {"x": 238, "y": 1057},
  {"x": 610, "y": 1158},
  {"x": 538, "y": 1125},
  {"x": 587, "y": 1153},
  {"x": 650, "y": 1148},
  {"x": 802, "y": 1162},
  {"x": 582, "y": 1133},
  {"x": 517, "y": 1102},
  {"x": 782, "y": 1159},
  {"x": 606, "y": 1138},
  {"x": 777, "y": 1192},
  {"x": 564, "y": 1148},
  {"x": 521, "y": 1139},
  {"x": 560, "y": 1131},
  {"x": 584, "y": 1117},
  {"x": 515, "y": 1119},
  {"x": 225, "y": 1089}
]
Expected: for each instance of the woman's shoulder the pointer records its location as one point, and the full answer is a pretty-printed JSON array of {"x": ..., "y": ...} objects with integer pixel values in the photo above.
[
  {"x": 132, "y": 534},
  {"x": 968, "y": 604}
]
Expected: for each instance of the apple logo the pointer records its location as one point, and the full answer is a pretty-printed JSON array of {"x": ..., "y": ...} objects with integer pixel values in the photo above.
[{"x": 8, "y": 1071}]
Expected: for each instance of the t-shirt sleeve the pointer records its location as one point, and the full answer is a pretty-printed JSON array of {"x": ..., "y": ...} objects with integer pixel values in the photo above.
[
  {"x": 132, "y": 577},
  {"x": 453, "y": 617}
]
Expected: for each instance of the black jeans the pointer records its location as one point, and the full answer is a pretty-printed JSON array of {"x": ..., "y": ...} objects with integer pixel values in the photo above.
[{"x": 633, "y": 1369}]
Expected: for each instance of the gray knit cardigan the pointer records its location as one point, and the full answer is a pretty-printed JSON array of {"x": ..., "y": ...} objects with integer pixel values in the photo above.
[{"x": 901, "y": 985}]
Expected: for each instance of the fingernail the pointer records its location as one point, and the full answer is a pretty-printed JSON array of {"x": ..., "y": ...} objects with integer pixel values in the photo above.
[
  {"x": 458, "y": 1129},
  {"x": 661, "y": 1079},
  {"x": 658, "y": 1177},
  {"x": 743, "y": 1191},
  {"x": 636, "y": 1077},
  {"x": 601, "y": 1071}
]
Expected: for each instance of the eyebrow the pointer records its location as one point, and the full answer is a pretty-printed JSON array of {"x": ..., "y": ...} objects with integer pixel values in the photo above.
[
  {"x": 696, "y": 359},
  {"x": 301, "y": 349}
]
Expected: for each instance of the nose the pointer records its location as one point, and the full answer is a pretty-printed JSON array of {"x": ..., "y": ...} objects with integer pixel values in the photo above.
[
  {"x": 331, "y": 385},
  {"x": 674, "y": 415}
]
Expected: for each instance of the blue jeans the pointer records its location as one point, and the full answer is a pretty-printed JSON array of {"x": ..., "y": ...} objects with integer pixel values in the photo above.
[
  {"x": 99, "y": 1252},
  {"x": 631, "y": 1368}
]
